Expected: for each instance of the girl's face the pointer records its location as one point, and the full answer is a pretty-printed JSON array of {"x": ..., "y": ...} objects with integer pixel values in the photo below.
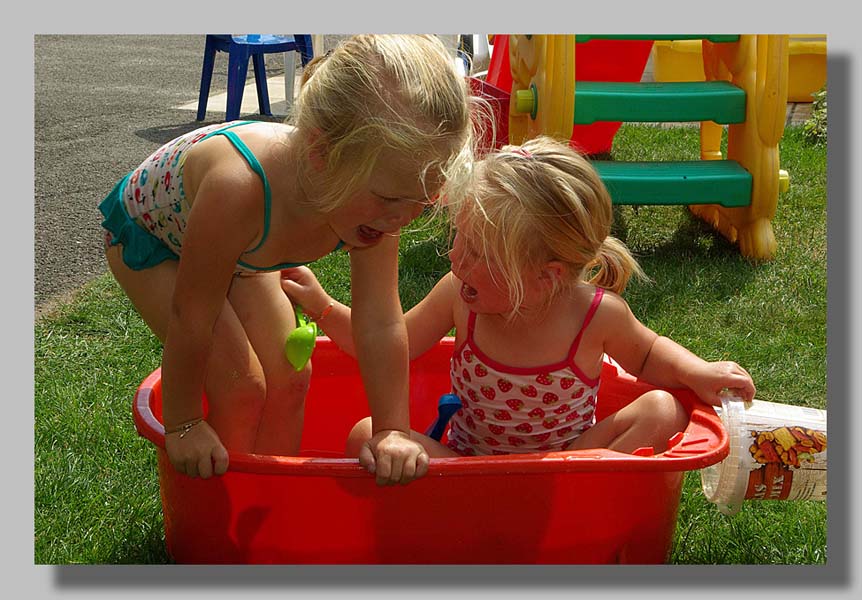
[
  {"x": 392, "y": 198},
  {"x": 482, "y": 285}
]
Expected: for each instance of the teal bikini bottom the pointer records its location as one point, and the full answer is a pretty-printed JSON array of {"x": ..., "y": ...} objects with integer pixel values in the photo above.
[{"x": 141, "y": 249}]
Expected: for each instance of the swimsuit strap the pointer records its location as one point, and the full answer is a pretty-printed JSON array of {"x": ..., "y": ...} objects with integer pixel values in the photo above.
[
  {"x": 255, "y": 165},
  {"x": 594, "y": 305},
  {"x": 471, "y": 326},
  {"x": 287, "y": 265},
  {"x": 267, "y": 196}
]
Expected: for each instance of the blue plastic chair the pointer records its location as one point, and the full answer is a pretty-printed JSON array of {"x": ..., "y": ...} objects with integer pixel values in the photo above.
[{"x": 239, "y": 49}]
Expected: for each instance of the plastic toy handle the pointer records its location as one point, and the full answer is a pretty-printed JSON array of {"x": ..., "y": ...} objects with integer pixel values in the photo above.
[
  {"x": 303, "y": 320},
  {"x": 525, "y": 101},
  {"x": 447, "y": 406}
]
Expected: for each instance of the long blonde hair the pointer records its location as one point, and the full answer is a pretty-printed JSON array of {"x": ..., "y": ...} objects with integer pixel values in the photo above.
[
  {"x": 372, "y": 92},
  {"x": 539, "y": 202}
]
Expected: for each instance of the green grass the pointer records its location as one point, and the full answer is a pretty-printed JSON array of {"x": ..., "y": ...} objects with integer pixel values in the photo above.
[
  {"x": 96, "y": 493},
  {"x": 96, "y": 484}
]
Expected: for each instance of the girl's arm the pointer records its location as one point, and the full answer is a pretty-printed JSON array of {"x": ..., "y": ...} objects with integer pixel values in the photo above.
[
  {"x": 302, "y": 287},
  {"x": 380, "y": 340},
  {"x": 433, "y": 317},
  {"x": 427, "y": 322},
  {"x": 223, "y": 221},
  {"x": 670, "y": 364},
  {"x": 662, "y": 362}
]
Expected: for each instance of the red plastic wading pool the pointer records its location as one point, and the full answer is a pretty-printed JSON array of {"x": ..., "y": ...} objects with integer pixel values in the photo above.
[{"x": 587, "y": 506}]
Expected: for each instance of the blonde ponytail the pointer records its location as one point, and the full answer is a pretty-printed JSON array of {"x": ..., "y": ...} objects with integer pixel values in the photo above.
[{"x": 613, "y": 266}]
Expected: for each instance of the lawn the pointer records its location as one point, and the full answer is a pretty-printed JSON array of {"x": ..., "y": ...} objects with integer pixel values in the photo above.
[{"x": 96, "y": 485}]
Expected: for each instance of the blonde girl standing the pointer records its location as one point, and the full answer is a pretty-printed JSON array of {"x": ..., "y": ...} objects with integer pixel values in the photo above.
[{"x": 197, "y": 234}]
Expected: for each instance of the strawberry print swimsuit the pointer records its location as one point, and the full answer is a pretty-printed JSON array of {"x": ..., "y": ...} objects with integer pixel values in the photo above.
[{"x": 508, "y": 410}]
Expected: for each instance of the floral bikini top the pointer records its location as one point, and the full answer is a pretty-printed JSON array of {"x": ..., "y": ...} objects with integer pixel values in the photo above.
[
  {"x": 154, "y": 196},
  {"x": 506, "y": 410}
]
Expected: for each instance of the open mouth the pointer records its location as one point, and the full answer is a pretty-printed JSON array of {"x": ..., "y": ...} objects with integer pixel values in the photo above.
[
  {"x": 368, "y": 235},
  {"x": 468, "y": 294}
]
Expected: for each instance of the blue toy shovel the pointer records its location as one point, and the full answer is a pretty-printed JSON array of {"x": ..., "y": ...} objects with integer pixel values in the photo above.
[{"x": 447, "y": 406}]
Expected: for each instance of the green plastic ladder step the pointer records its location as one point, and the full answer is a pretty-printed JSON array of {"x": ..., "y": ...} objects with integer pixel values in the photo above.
[
  {"x": 723, "y": 182},
  {"x": 718, "y": 39},
  {"x": 655, "y": 102}
]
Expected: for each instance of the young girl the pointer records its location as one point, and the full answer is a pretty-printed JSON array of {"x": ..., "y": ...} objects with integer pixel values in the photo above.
[
  {"x": 533, "y": 296},
  {"x": 197, "y": 233}
]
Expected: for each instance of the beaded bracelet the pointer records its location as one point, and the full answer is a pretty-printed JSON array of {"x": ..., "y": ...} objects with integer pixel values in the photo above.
[
  {"x": 325, "y": 312},
  {"x": 184, "y": 428}
]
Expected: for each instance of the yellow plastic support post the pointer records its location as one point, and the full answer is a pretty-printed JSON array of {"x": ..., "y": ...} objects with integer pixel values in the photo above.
[
  {"x": 710, "y": 131},
  {"x": 543, "y": 86},
  {"x": 758, "y": 65}
]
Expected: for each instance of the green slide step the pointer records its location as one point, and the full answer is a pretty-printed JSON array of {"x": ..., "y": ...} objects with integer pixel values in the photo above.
[
  {"x": 723, "y": 182},
  {"x": 718, "y": 39},
  {"x": 718, "y": 101}
]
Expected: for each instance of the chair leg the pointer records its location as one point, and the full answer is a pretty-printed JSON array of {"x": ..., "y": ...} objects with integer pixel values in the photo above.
[
  {"x": 236, "y": 74},
  {"x": 206, "y": 78},
  {"x": 289, "y": 78},
  {"x": 260, "y": 82},
  {"x": 304, "y": 46}
]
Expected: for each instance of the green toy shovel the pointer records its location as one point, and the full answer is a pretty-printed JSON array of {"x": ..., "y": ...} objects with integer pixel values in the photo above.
[{"x": 300, "y": 341}]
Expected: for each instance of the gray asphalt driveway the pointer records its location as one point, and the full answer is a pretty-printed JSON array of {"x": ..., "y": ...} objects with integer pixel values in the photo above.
[{"x": 102, "y": 104}]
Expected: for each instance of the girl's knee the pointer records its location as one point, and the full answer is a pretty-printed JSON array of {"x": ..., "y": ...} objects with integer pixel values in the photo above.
[
  {"x": 672, "y": 408},
  {"x": 288, "y": 384},
  {"x": 666, "y": 412},
  {"x": 243, "y": 388},
  {"x": 236, "y": 400},
  {"x": 360, "y": 434}
]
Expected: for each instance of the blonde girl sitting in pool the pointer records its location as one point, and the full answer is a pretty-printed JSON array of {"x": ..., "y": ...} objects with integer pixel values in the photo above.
[{"x": 533, "y": 296}]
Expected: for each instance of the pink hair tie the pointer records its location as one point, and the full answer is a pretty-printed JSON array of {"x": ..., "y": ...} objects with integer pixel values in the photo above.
[{"x": 522, "y": 152}]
